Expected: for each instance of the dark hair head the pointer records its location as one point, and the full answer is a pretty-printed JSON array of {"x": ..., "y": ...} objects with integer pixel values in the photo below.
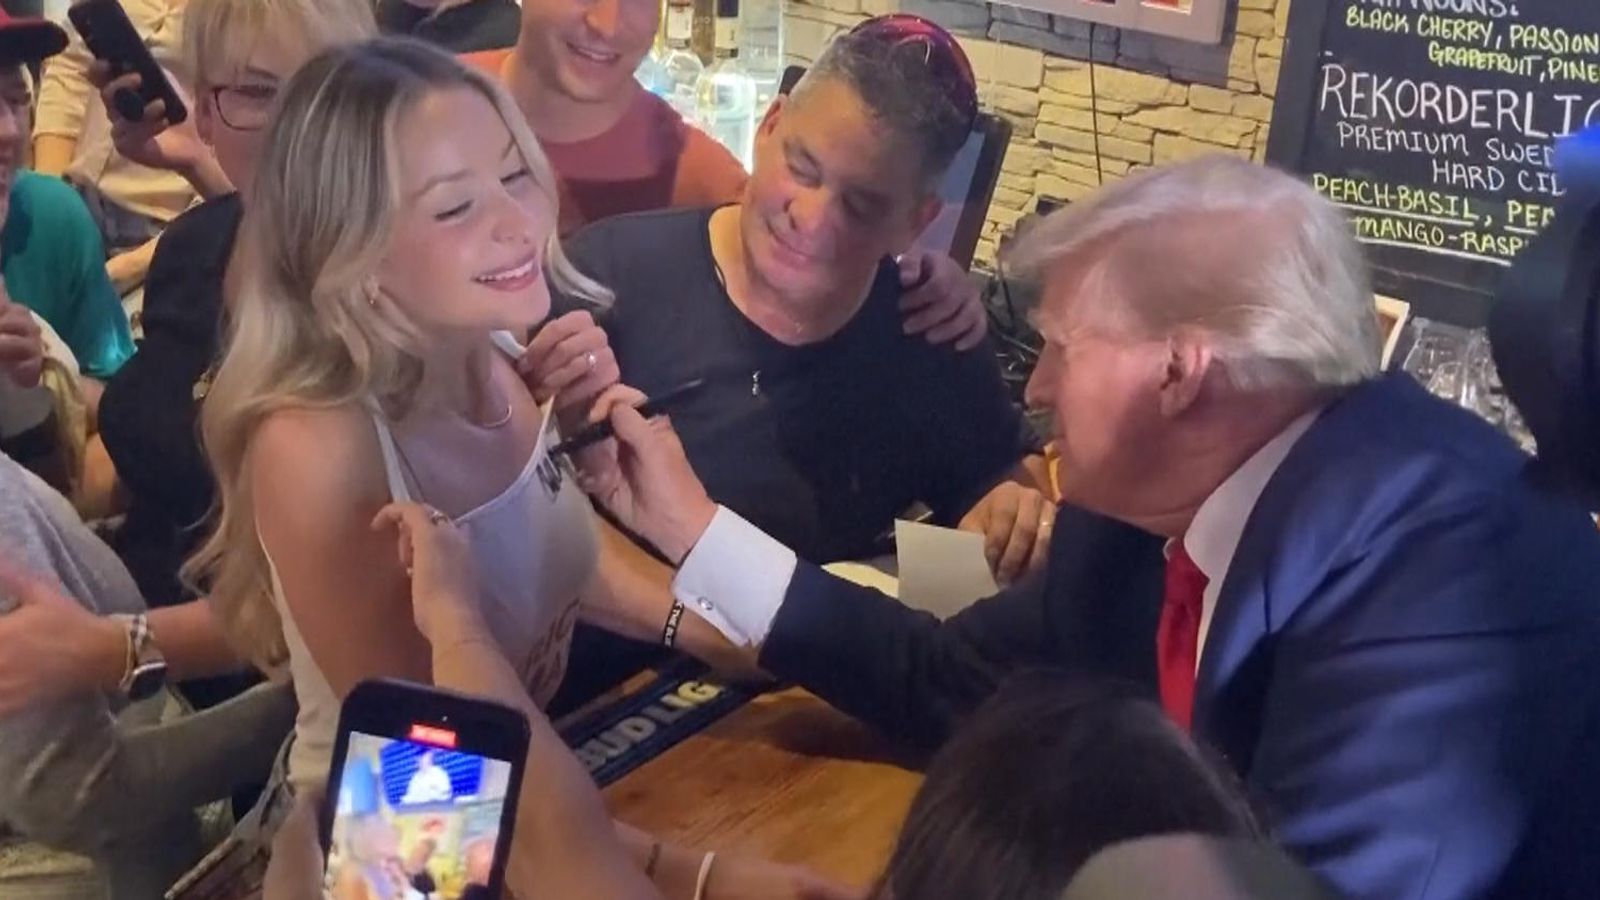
[
  {"x": 912, "y": 76},
  {"x": 1044, "y": 776}
]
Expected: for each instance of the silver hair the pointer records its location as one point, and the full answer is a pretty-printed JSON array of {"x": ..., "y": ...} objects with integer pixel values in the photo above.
[
  {"x": 1250, "y": 256},
  {"x": 898, "y": 87}
]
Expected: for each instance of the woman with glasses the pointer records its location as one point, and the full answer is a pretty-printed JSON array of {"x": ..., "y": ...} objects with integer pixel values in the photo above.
[{"x": 241, "y": 51}]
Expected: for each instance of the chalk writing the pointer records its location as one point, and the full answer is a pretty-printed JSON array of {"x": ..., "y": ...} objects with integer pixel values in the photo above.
[{"x": 1432, "y": 123}]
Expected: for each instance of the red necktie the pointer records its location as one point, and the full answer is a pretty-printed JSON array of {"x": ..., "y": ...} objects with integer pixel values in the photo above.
[{"x": 1178, "y": 634}]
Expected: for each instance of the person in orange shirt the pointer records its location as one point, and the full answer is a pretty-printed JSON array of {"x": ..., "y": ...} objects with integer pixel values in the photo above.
[{"x": 617, "y": 148}]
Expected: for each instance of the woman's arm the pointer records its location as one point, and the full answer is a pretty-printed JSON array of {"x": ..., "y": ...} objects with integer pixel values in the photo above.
[
  {"x": 565, "y": 844},
  {"x": 317, "y": 478}
]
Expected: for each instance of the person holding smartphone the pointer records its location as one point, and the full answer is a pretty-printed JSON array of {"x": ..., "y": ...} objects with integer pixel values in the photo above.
[
  {"x": 402, "y": 216},
  {"x": 72, "y": 139}
]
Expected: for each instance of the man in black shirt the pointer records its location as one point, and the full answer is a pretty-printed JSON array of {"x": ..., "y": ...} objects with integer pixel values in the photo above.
[
  {"x": 822, "y": 441},
  {"x": 821, "y": 420}
]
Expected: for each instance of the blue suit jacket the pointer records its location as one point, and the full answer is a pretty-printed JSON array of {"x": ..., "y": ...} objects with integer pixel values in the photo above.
[{"x": 1403, "y": 664}]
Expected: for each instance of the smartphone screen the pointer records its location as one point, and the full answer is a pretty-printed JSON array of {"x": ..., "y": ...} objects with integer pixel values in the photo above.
[{"x": 419, "y": 809}]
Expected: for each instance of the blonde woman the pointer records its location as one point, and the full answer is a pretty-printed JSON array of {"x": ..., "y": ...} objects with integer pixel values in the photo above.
[
  {"x": 400, "y": 224},
  {"x": 402, "y": 217}
]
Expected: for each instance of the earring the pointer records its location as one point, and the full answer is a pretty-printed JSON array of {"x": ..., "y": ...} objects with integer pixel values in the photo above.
[{"x": 370, "y": 289}]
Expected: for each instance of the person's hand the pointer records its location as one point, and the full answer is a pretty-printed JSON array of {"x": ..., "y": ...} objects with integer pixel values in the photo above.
[
  {"x": 570, "y": 359},
  {"x": 21, "y": 342},
  {"x": 152, "y": 141},
  {"x": 1015, "y": 522},
  {"x": 444, "y": 579},
  {"x": 294, "y": 871},
  {"x": 643, "y": 476},
  {"x": 736, "y": 878},
  {"x": 51, "y": 647},
  {"x": 947, "y": 306},
  {"x": 127, "y": 270}
]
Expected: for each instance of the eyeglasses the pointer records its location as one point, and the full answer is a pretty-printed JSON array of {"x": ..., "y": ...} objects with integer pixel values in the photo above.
[
  {"x": 945, "y": 59},
  {"x": 244, "y": 107}
]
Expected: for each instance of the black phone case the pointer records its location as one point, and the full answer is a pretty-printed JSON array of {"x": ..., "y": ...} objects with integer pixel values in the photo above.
[
  {"x": 385, "y": 707},
  {"x": 111, "y": 37}
]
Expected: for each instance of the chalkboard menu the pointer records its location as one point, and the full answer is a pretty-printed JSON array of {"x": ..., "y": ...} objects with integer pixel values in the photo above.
[{"x": 1432, "y": 123}]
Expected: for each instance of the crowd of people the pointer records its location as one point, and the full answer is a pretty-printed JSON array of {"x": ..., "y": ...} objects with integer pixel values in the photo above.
[{"x": 281, "y": 388}]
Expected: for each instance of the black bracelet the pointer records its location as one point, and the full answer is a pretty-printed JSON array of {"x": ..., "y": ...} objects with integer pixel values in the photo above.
[
  {"x": 669, "y": 634},
  {"x": 650, "y": 863}
]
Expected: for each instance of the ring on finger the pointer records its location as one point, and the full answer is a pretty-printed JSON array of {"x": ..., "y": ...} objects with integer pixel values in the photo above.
[
  {"x": 436, "y": 517},
  {"x": 591, "y": 359}
]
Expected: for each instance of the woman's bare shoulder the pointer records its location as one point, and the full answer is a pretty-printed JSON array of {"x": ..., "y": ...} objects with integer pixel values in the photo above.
[{"x": 316, "y": 459}]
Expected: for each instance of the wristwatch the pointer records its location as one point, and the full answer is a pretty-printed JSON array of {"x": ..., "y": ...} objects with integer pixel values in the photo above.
[{"x": 146, "y": 672}]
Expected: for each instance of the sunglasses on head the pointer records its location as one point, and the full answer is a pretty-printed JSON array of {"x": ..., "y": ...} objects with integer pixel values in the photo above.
[{"x": 940, "y": 52}]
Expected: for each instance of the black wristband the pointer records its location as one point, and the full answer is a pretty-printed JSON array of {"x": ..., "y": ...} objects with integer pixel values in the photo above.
[{"x": 669, "y": 633}]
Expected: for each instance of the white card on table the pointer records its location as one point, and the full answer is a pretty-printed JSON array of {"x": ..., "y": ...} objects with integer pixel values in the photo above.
[{"x": 942, "y": 570}]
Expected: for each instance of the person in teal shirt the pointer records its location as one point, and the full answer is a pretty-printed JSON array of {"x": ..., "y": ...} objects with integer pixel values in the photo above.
[
  {"x": 54, "y": 264},
  {"x": 51, "y": 257}
]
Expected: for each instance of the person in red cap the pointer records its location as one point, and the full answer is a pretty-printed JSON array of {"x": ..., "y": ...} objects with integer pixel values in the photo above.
[{"x": 51, "y": 256}]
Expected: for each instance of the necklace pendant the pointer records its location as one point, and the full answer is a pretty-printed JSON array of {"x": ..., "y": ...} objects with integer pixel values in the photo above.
[{"x": 755, "y": 383}]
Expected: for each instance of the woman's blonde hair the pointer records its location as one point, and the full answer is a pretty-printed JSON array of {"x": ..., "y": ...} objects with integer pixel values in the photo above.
[
  {"x": 219, "y": 35},
  {"x": 308, "y": 327}
]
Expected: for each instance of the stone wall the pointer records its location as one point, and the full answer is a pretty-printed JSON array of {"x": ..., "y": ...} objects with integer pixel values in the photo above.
[{"x": 1146, "y": 100}]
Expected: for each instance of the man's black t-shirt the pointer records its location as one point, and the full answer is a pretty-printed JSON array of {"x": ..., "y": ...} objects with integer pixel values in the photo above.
[
  {"x": 822, "y": 445},
  {"x": 465, "y": 28}
]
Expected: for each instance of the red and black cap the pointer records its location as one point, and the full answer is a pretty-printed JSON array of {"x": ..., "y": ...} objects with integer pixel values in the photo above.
[{"x": 28, "y": 40}]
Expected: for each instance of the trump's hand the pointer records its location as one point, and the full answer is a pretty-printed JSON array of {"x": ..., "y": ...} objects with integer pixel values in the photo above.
[
  {"x": 1015, "y": 522},
  {"x": 644, "y": 478}
]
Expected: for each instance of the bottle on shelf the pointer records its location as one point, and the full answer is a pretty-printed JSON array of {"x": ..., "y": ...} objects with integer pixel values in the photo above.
[
  {"x": 681, "y": 68},
  {"x": 761, "y": 47},
  {"x": 727, "y": 95},
  {"x": 650, "y": 72},
  {"x": 652, "y": 75},
  {"x": 703, "y": 33}
]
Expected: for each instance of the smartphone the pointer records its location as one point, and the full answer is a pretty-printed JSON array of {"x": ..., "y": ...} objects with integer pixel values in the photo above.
[
  {"x": 111, "y": 37},
  {"x": 422, "y": 793}
]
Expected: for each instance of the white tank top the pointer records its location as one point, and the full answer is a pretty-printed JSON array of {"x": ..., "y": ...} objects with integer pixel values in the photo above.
[{"x": 536, "y": 548}]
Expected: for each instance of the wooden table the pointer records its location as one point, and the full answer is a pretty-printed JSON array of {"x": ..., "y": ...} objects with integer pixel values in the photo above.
[{"x": 785, "y": 778}]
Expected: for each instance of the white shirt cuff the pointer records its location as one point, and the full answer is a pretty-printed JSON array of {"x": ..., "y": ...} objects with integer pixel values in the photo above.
[{"x": 735, "y": 578}]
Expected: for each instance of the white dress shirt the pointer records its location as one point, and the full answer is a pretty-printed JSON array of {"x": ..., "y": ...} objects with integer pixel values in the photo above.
[
  {"x": 736, "y": 576},
  {"x": 1213, "y": 536}
]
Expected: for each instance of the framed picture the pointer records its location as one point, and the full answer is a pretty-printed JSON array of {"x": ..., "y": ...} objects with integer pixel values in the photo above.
[{"x": 1190, "y": 20}]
